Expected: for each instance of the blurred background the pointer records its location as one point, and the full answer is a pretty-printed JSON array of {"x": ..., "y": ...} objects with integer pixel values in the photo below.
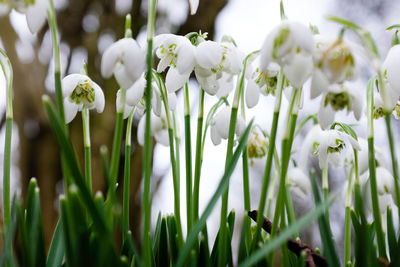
[{"x": 88, "y": 27}]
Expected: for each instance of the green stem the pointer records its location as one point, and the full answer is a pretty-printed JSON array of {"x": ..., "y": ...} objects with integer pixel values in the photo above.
[
  {"x": 127, "y": 174},
  {"x": 372, "y": 170},
  {"x": 188, "y": 154},
  {"x": 286, "y": 149},
  {"x": 86, "y": 144},
  {"x": 394, "y": 160},
  {"x": 347, "y": 222},
  {"x": 246, "y": 195},
  {"x": 116, "y": 148},
  {"x": 8, "y": 75},
  {"x": 51, "y": 13},
  {"x": 325, "y": 186},
  {"x": 270, "y": 155},
  {"x": 197, "y": 166}
]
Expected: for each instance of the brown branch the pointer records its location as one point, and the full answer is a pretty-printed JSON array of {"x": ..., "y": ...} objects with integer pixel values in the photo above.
[{"x": 312, "y": 258}]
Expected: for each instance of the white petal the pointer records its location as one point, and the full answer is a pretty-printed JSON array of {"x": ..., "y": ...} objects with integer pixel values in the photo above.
[
  {"x": 299, "y": 70},
  {"x": 209, "y": 54},
  {"x": 266, "y": 50},
  {"x": 215, "y": 138},
  {"x": 240, "y": 126},
  {"x": 392, "y": 66},
  {"x": 252, "y": 94},
  {"x": 357, "y": 107},
  {"x": 36, "y": 15},
  {"x": 302, "y": 36},
  {"x": 174, "y": 80},
  {"x": 162, "y": 64},
  {"x": 110, "y": 57},
  {"x": 193, "y": 4},
  {"x": 156, "y": 104},
  {"x": 385, "y": 181},
  {"x": 4, "y": 9},
  {"x": 326, "y": 115},
  {"x": 300, "y": 183},
  {"x": 319, "y": 83},
  {"x": 162, "y": 137},
  {"x": 122, "y": 77},
  {"x": 135, "y": 93},
  {"x": 225, "y": 85},
  {"x": 134, "y": 60},
  {"x": 70, "y": 82},
  {"x": 98, "y": 98},
  {"x": 209, "y": 84},
  {"x": 186, "y": 58},
  {"x": 172, "y": 101},
  {"x": 70, "y": 110},
  {"x": 354, "y": 143},
  {"x": 222, "y": 120}
]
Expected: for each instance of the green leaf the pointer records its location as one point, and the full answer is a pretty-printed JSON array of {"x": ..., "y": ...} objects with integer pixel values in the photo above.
[
  {"x": 199, "y": 225},
  {"x": 363, "y": 34},
  {"x": 346, "y": 128},
  {"x": 57, "y": 247},
  {"x": 162, "y": 248},
  {"x": 173, "y": 235},
  {"x": 325, "y": 230},
  {"x": 156, "y": 237},
  {"x": 283, "y": 236},
  {"x": 392, "y": 239},
  {"x": 394, "y": 26}
]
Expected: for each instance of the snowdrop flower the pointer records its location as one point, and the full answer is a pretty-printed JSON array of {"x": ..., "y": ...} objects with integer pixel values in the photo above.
[
  {"x": 339, "y": 97},
  {"x": 126, "y": 60},
  {"x": 220, "y": 125},
  {"x": 79, "y": 92},
  {"x": 35, "y": 12},
  {"x": 176, "y": 52},
  {"x": 390, "y": 92},
  {"x": 159, "y": 129},
  {"x": 257, "y": 145},
  {"x": 291, "y": 45},
  {"x": 328, "y": 146},
  {"x": 385, "y": 186},
  {"x": 299, "y": 182},
  {"x": 263, "y": 82},
  {"x": 213, "y": 60},
  {"x": 334, "y": 63}
]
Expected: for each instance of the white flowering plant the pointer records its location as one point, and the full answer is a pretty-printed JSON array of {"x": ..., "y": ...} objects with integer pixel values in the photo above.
[{"x": 150, "y": 79}]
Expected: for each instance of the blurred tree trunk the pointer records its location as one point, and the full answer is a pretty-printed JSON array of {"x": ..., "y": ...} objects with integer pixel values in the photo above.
[{"x": 38, "y": 151}]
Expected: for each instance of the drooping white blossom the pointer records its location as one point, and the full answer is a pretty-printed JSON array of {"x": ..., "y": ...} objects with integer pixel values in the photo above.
[
  {"x": 126, "y": 60},
  {"x": 390, "y": 92},
  {"x": 193, "y": 5},
  {"x": 291, "y": 45},
  {"x": 79, "y": 92},
  {"x": 159, "y": 129},
  {"x": 299, "y": 182},
  {"x": 334, "y": 62},
  {"x": 219, "y": 126},
  {"x": 339, "y": 97}
]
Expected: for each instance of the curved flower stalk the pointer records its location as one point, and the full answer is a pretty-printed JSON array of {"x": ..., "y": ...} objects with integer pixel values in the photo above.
[
  {"x": 219, "y": 126},
  {"x": 125, "y": 59},
  {"x": 334, "y": 62},
  {"x": 291, "y": 45},
  {"x": 79, "y": 93},
  {"x": 35, "y": 11},
  {"x": 339, "y": 97}
]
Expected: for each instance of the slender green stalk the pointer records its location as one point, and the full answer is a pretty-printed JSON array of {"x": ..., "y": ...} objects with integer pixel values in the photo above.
[
  {"x": 51, "y": 13},
  {"x": 117, "y": 141},
  {"x": 347, "y": 218},
  {"x": 325, "y": 185},
  {"x": 372, "y": 170},
  {"x": 246, "y": 195},
  {"x": 394, "y": 160},
  {"x": 271, "y": 191},
  {"x": 127, "y": 174},
  {"x": 147, "y": 258},
  {"x": 188, "y": 155},
  {"x": 270, "y": 155},
  {"x": 8, "y": 75},
  {"x": 86, "y": 145},
  {"x": 198, "y": 161}
]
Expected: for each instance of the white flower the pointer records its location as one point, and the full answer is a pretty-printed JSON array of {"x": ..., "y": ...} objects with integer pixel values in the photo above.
[
  {"x": 35, "y": 12},
  {"x": 159, "y": 129},
  {"x": 299, "y": 182},
  {"x": 291, "y": 45},
  {"x": 79, "y": 92},
  {"x": 213, "y": 60},
  {"x": 263, "y": 82},
  {"x": 334, "y": 63},
  {"x": 219, "y": 125},
  {"x": 176, "y": 52},
  {"x": 193, "y": 5},
  {"x": 391, "y": 85},
  {"x": 385, "y": 188},
  {"x": 339, "y": 97},
  {"x": 328, "y": 146},
  {"x": 126, "y": 60}
]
